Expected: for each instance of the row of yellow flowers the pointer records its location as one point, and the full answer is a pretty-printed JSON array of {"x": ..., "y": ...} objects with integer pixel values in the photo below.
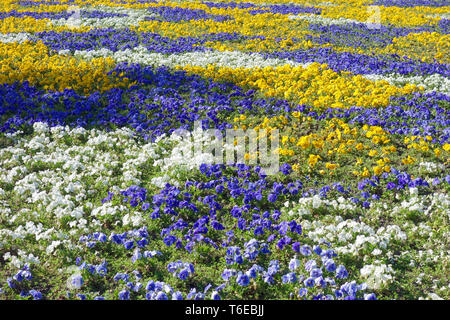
[
  {"x": 29, "y": 24},
  {"x": 315, "y": 85},
  {"x": 268, "y": 44},
  {"x": 267, "y": 24},
  {"x": 426, "y": 46},
  {"x": 34, "y": 63}
]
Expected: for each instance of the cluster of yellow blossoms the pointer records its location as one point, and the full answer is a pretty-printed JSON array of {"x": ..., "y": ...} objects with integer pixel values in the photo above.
[
  {"x": 268, "y": 44},
  {"x": 35, "y": 64},
  {"x": 315, "y": 85},
  {"x": 425, "y": 46},
  {"x": 338, "y": 144},
  {"x": 266, "y": 24}
]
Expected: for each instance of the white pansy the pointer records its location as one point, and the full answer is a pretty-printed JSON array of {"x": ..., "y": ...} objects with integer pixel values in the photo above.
[
  {"x": 161, "y": 181},
  {"x": 134, "y": 219},
  {"x": 377, "y": 275},
  {"x": 14, "y": 37},
  {"x": 431, "y": 167},
  {"x": 306, "y": 205},
  {"x": 322, "y": 20},
  {"x": 108, "y": 209},
  {"x": 230, "y": 59},
  {"x": 444, "y": 15},
  {"x": 431, "y": 296},
  {"x": 40, "y": 127},
  {"x": 133, "y": 18}
]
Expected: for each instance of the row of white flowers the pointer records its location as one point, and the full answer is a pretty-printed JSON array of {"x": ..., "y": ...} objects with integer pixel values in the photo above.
[
  {"x": 14, "y": 37},
  {"x": 322, "y": 20},
  {"x": 141, "y": 55},
  {"x": 434, "y": 82},
  {"x": 133, "y": 18}
]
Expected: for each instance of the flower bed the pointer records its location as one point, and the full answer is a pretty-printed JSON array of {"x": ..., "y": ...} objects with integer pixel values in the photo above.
[{"x": 102, "y": 197}]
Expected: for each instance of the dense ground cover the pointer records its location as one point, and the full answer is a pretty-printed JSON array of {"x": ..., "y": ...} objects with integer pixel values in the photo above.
[{"x": 98, "y": 199}]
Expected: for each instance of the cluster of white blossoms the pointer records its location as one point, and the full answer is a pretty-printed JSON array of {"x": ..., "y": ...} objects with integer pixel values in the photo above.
[
  {"x": 426, "y": 204},
  {"x": 431, "y": 167},
  {"x": 377, "y": 275},
  {"x": 14, "y": 37},
  {"x": 182, "y": 155},
  {"x": 414, "y": 203},
  {"x": 445, "y": 15},
  {"x": 305, "y": 206},
  {"x": 108, "y": 209},
  {"x": 430, "y": 83},
  {"x": 133, "y": 17},
  {"x": 353, "y": 237},
  {"x": 191, "y": 150},
  {"x": 21, "y": 258},
  {"x": 322, "y": 20},
  {"x": 440, "y": 202},
  {"x": 141, "y": 55}
]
